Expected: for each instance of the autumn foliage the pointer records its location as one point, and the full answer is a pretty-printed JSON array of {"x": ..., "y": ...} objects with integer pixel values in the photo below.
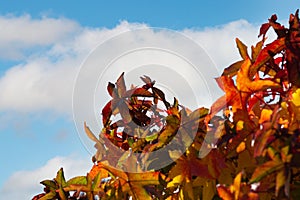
[{"x": 256, "y": 125}]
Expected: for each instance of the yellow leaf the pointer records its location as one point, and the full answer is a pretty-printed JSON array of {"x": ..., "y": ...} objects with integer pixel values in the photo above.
[
  {"x": 296, "y": 97},
  {"x": 235, "y": 188},
  {"x": 280, "y": 180},
  {"x": 239, "y": 125},
  {"x": 265, "y": 115},
  {"x": 175, "y": 181},
  {"x": 241, "y": 147}
]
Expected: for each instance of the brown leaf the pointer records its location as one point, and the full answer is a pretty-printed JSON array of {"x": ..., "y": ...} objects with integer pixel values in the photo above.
[
  {"x": 233, "y": 69},
  {"x": 242, "y": 49},
  {"x": 121, "y": 87}
]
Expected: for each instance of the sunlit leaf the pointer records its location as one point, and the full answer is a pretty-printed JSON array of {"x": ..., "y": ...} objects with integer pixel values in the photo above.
[
  {"x": 265, "y": 115},
  {"x": 265, "y": 169},
  {"x": 79, "y": 180},
  {"x": 241, "y": 147},
  {"x": 224, "y": 193},
  {"x": 235, "y": 188},
  {"x": 242, "y": 49},
  {"x": 296, "y": 97},
  {"x": 280, "y": 180},
  {"x": 266, "y": 53},
  {"x": 60, "y": 178},
  {"x": 50, "y": 184},
  {"x": 233, "y": 69}
]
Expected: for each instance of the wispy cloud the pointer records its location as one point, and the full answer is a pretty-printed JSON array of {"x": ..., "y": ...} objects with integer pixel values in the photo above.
[{"x": 25, "y": 184}]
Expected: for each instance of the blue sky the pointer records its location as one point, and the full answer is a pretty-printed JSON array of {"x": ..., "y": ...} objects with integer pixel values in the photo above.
[{"x": 42, "y": 45}]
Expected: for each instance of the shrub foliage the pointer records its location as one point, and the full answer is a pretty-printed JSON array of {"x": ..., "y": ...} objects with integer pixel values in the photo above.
[{"x": 256, "y": 124}]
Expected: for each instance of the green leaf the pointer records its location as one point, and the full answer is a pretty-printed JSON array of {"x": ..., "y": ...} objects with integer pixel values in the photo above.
[
  {"x": 62, "y": 194},
  {"x": 78, "y": 180},
  {"x": 273, "y": 154},
  {"x": 242, "y": 49},
  {"x": 60, "y": 178},
  {"x": 49, "y": 183},
  {"x": 96, "y": 186},
  {"x": 49, "y": 196},
  {"x": 152, "y": 137},
  {"x": 265, "y": 169}
]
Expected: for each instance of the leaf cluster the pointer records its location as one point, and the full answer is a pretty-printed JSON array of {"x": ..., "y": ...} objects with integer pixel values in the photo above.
[{"x": 250, "y": 137}]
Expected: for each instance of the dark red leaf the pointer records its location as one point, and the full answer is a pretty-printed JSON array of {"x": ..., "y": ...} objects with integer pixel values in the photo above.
[
  {"x": 110, "y": 88},
  {"x": 263, "y": 29},
  {"x": 106, "y": 113}
]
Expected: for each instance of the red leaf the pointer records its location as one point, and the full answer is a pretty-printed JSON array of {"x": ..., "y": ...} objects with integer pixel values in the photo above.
[
  {"x": 263, "y": 29},
  {"x": 266, "y": 53},
  {"x": 106, "y": 113},
  {"x": 139, "y": 92},
  {"x": 110, "y": 88}
]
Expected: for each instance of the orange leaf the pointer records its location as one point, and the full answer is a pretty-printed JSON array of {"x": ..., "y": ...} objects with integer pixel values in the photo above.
[
  {"x": 224, "y": 193},
  {"x": 265, "y": 169},
  {"x": 241, "y": 147}
]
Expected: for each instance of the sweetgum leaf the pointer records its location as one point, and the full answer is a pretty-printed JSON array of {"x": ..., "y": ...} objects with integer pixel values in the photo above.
[
  {"x": 263, "y": 29},
  {"x": 255, "y": 50},
  {"x": 60, "y": 178},
  {"x": 121, "y": 87},
  {"x": 111, "y": 88},
  {"x": 280, "y": 180},
  {"x": 106, "y": 113},
  {"x": 266, "y": 53},
  {"x": 134, "y": 182},
  {"x": 50, "y": 195},
  {"x": 138, "y": 92},
  {"x": 78, "y": 180},
  {"x": 49, "y": 183},
  {"x": 232, "y": 69},
  {"x": 242, "y": 49},
  {"x": 266, "y": 169},
  {"x": 224, "y": 193}
]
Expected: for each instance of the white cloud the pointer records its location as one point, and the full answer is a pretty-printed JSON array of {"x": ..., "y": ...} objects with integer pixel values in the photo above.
[
  {"x": 44, "y": 80},
  {"x": 25, "y": 184},
  {"x": 19, "y": 33},
  {"x": 219, "y": 42},
  {"x": 50, "y": 53}
]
